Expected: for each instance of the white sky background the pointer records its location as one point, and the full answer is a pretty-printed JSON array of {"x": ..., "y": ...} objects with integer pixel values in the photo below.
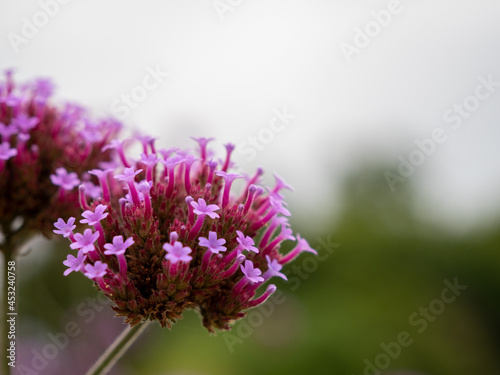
[{"x": 229, "y": 71}]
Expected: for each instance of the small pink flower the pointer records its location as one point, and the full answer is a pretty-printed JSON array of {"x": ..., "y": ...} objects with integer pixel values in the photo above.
[
  {"x": 201, "y": 208},
  {"x": 86, "y": 241},
  {"x": 75, "y": 263},
  {"x": 252, "y": 273},
  {"x": 92, "y": 218},
  {"x": 66, "y": 229},
  {"x": 213, "y": 244},
  {"x": 177, "y": 252},
  {"x": 67, "y": 181},
  {"x": 97, "y": 270}
]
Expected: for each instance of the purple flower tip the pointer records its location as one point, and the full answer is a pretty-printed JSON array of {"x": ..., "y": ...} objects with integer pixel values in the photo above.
[
  {"x": 173, "y": 236},
  {"x": 274, "y": 268},
  {"x": 252, "y": 273},
  {"x": 177, "y": 253},
  {"x": 25, "y": 123},
  {"x": 201, "y": 208},
  {"x": 6, "y": 131},
  {"x": 85, "y": 241},
  {"x": 96, "y": 271},
  {"x": 101, "y": 172},
  {"x": 304, "y": 245},
  {"x": 228, "y": 177},
  {"x": 91, "y": 190},
  {"x": 128, "y": 174},
  {"x": 92, "y": 218},
  {"x": 75, "y": 263},
  {"x": 213, "y": 244},
  {"x": 150, "y": 159},
  {"x": 144, "y": 186},
  {"x": 202, "y": 141},
  {"x": 246, "y": 242},
  {"x": 212, "y": 164},
  {"x": 280, "y": 184},
  {"x": 65, "y": 180},
  {"x": 118, "y": 246},
  {"x": 6, "y": 152},
  {"x": 114, "y": 144},
  {"x": 65, "y": 228}
]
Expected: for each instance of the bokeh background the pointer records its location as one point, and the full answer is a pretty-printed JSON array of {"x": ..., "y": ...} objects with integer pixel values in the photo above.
[{"x": 355, "y": 106}]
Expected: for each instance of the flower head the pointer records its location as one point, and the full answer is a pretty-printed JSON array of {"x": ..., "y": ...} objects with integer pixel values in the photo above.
[
  {"x": 44, "y": 153},
  {"x": 191, "y": 243}
]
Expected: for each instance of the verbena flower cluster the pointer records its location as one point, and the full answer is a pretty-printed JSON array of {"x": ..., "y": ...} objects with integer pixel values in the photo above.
[
  {"x": 44, "y": 151},
  {"x": 168, "y": 234}
]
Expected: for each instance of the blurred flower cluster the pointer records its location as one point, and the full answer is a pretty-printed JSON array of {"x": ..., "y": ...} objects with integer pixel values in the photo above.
[
  {"x": 166, "y": 234},
  {"x": 44, "y": 151}
]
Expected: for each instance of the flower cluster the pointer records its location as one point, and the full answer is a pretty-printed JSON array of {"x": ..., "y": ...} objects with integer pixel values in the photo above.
[
  {"x": 44, "y": 152},
  {"x": 167, "y": 234}
]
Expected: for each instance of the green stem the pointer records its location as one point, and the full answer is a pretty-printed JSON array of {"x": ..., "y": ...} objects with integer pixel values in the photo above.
[{"x": 117, "y": 349}]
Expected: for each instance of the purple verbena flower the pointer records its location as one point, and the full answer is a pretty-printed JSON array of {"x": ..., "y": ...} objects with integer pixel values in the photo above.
[
  {"x": 85, "y": 241},
  {"x": 252, "y": 273},
  {"x": 6, "y": 152},
  {"x": 92, "y": 190},
  {"x": 7, "y": 131},
  {"x": 96, "y": 272},
  {"x": 92, "y": 218},
  {"x": 75, "y": 263},
  {"x": 128, "y": 174},
  {"x": 212, "y": 243},
  {"x": 177, "y": 252},
  {"x": 273, "y": 269},
  {"x": 118, "y": 246},
  {"x": 67, "y": 181},
  {"x": 201, "y": 208},
  {"x": 185, "y": 234},
  {"x": 65, "y": 229},
  {"x": 44, "y": 153},
  {"x": 246, "y": 242},
  {"x": 25, "y": 123}
]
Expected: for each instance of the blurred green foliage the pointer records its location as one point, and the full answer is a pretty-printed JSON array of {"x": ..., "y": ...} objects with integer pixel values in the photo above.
[{"x": 334, "y": 315}]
